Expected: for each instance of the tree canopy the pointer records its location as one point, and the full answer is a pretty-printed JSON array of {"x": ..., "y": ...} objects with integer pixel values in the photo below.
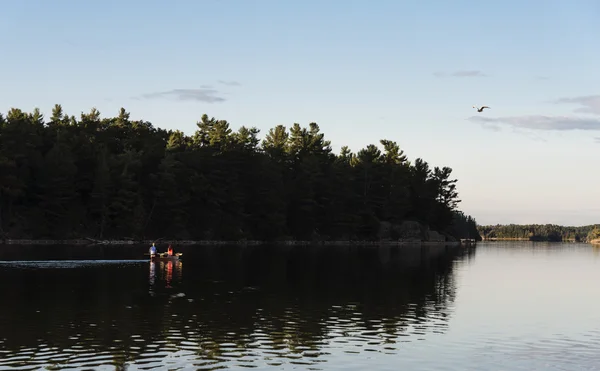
[
  {"x": 594, "y": 234},
  {"x": 68, "y": 177}
]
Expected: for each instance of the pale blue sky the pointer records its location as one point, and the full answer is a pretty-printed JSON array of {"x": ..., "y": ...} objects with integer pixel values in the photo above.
[{"x": 363, "y": 70}]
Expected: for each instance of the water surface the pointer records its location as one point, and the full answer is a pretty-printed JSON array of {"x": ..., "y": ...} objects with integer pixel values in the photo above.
[{"x": 500, "y": 306}]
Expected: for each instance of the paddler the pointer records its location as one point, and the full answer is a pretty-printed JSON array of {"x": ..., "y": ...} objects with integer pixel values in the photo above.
[{"x": 152, "y": 250}]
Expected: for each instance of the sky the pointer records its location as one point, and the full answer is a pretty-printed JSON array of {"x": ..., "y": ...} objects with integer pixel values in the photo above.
[{"x": 407, "y": 71}]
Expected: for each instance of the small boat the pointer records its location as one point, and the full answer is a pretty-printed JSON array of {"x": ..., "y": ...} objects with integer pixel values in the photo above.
[{"x": 164, "y": 257}]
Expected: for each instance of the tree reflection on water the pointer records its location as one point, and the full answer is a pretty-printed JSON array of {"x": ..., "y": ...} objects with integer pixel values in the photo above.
[{"x": 244, "y": 304}]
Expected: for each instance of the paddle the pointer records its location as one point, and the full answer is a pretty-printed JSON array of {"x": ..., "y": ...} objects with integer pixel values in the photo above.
[{"x": 163, "y": 254}]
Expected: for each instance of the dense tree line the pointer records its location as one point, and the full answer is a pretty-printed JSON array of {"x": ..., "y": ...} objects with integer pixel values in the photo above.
[
  {"x": 115, "y": 177},
  {"x": 537, "y": 232}
]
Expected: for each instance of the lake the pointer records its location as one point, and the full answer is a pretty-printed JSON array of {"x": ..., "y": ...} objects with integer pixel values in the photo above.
[{"x": 499, "y": 306}]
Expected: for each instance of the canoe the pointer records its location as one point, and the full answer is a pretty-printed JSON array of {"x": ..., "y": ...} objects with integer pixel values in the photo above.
[{"x": 165, "y": 257}]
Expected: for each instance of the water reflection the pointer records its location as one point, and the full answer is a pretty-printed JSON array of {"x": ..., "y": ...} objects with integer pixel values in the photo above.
[
  {"x": 235, "y": 307},
  {"x": 166, "y": 270},
  {"x": 152, "y": 276}
]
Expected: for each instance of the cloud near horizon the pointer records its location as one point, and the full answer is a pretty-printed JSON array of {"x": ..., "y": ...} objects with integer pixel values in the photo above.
[
  {"x": 229, "y": 83},
  {"x": 589, "y": 104},
  {"x": 461, "y": 73},
  {"x": 204, "y": 94},
  {"x": 539, "y": 122}
]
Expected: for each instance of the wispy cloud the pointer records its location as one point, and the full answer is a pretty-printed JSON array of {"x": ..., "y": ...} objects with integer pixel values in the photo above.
[
  {"x": 541, "y": 78},
  {"x": 229, "y": 83},
  {"x": 204, "y": 94},
  {"x": 495, "y": 127},
  {"x": 529, "y": 134},
  {"x": 589, "y": 104},
  {"x": 490, "y": 126},
  {"x": 461, "y": 73},
  {"x": 540, "y": 122},
  {"x": 597, "y": 140}
]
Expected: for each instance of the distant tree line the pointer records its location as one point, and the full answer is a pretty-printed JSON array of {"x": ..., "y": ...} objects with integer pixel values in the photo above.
[
  {"x": 121, "y": 178},
  {"x": 538, "y": 232},
  {"x": 594, "y": 234}
]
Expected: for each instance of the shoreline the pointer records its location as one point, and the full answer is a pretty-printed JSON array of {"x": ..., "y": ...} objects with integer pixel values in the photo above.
[
  {"x": 504, "y": 239},
  {"x": 529, "y": 240},
  {"x": 88, "y": 242}
]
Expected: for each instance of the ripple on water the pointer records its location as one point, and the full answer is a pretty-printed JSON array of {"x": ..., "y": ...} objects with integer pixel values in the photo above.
[
  {"x": 223, "y": 326},
  {"x": 67, "y": 264},
  {"x": 558, "y": 352}
]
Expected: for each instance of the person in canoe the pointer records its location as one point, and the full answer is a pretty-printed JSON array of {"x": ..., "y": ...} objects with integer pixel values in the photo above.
[
  {"x": 170, "y": 250},
  {"x": 152, "y": 250}
]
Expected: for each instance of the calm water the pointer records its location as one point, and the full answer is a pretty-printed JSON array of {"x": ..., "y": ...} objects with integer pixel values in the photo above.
[{"x": 500, "y": 306}]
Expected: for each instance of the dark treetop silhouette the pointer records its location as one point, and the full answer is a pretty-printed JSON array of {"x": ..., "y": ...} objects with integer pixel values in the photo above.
[{"x": 117, "y": 178}]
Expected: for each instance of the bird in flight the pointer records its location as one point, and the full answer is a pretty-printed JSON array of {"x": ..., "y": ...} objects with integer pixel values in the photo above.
[{"x": 480, "y": 109}]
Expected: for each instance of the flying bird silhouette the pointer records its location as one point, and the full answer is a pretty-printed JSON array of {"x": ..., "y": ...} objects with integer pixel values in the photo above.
[{"x": 480, "y": 109}]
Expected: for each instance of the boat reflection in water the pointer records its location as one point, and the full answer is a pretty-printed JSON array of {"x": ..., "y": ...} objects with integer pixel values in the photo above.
[
  {"x": 152, "y": 276},
  {"x": 165, "y": 271}
]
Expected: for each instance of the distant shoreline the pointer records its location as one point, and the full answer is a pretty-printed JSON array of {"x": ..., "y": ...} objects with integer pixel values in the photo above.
[
  {"x": 530, "y": 240},
  {"x": 504, "y": 239},
  {"x": 241, "y": 243}
]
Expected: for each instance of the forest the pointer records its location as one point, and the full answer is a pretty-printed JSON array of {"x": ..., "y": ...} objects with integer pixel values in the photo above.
[
  {"x": 540, "y": 232},
  {"x": 113, "y": 178}
]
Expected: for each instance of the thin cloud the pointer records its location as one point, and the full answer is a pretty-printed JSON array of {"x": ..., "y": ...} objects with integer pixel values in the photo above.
[
  {"x": 461, "y": 73},
  {"x": 589, "y": 104},
  {"x": 496, "y": 128},
  {"x": 229, "y": 83},
  {"x": 205, "y": 94},
  {"x": 597, "y": 140},
  {"x": 491, "y": 127},
  {"x": 540, "y": 122},
  {"x": 529, "y": 134}
]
